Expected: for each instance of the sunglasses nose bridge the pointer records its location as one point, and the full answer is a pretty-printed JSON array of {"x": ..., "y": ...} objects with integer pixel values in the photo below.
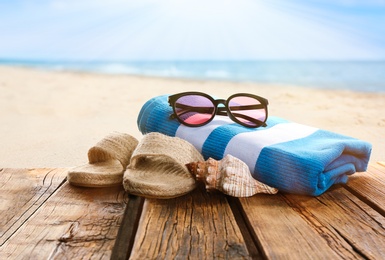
[
  {"x": 220, "y": 101},
  {"x": 220, "y": 110}
]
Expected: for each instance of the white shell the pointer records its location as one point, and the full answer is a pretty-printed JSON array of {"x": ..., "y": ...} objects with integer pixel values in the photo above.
[{"x": 229, "y": 175}]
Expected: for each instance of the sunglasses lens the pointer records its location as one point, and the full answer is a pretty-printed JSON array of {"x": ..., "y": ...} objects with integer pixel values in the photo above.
[
  {"x": 194, "y": 109},
  {"x": 248, "y": 111}
]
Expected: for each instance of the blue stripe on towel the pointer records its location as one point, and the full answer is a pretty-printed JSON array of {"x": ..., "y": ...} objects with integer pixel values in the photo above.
[
  {"x": 216, "y": 143},
  {"x": 214, "y": 149},
  {"x": 155, "y": 117},
  {"x": 312, "y": 164}
]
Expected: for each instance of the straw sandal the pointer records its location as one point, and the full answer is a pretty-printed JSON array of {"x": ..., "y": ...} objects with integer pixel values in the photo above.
[
  {"x": 158, "y": 167},
  {"x": 107, "y": 161}
]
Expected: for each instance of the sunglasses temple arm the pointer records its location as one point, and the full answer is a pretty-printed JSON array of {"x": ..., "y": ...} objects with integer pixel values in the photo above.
[
  {"x": 186, "y": 109},
  {"x": 251, "y": 119},
  {"x": 249, "y": 107},
  {"x": 208, "y": 110}
]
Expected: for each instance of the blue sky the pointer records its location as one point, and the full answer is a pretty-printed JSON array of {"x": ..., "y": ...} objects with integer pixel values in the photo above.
[{"x": 192, "y": 29}]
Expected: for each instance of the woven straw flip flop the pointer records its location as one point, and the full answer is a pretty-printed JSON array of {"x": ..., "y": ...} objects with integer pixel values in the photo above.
[
  {"x": 158, "y": 167},
  {"x": 107, "y": 161}
]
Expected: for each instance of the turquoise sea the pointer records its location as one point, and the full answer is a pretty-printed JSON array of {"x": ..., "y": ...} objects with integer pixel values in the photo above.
[{"x": 366, "y": 76}]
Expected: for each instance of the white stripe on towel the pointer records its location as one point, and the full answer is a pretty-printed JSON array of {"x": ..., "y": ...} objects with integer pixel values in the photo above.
[{"x": 240, "y": 145}]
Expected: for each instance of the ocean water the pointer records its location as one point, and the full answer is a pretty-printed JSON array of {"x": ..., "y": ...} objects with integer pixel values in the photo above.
[{"x": 366, "y": 76}]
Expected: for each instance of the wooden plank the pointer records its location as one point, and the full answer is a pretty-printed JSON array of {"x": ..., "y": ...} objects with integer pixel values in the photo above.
[
  {"x": 196, "y": 226},
  {"x": 126, "y": 235},
  {"x": 370, "y": 186},
  {"x": 281, "y": 232},
  {"x": 350, "y": 226},
  {"x": 74, "y": 223},
  {"x": 23, "y": 191},
  {"x": 251, "y": 244}
]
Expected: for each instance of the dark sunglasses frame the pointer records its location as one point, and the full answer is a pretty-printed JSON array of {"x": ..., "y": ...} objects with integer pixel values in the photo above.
[{"x": 220, "y": 110}]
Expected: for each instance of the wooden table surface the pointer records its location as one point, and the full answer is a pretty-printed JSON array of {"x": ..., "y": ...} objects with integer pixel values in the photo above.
[{"x": 43, "y": 217}]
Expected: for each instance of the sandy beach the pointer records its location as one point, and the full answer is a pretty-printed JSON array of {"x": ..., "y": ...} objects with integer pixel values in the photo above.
[{"x": 51, "y": 119}]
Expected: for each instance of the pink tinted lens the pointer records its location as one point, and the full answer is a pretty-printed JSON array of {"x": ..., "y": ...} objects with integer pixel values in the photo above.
[
  {"x": 194, "y": 109},
  {"x": 248, "y": 111}
]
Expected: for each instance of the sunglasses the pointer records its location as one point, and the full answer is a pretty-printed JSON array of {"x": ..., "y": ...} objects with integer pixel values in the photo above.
[{"x": 197, "y": 109}]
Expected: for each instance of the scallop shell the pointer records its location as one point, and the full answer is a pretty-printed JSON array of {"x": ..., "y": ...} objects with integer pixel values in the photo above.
[{"x": 230, "y": 176}]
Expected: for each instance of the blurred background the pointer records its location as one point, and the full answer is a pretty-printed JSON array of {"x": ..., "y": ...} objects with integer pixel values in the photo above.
[{"x": 327, "y": 44}]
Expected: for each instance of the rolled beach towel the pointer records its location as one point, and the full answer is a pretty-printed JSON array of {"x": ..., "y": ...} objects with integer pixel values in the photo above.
[{"x": 292, "y": 157}]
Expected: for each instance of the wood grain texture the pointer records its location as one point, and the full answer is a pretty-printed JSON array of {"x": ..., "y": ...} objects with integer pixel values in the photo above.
[
  {"x": 126, "y": 235},
  {"x": 196, "y": 226},
  {"x": 23, "y": 191},
  {"x": 281, "y": 232},
  {"x": 73, "y": 223},
  {"x": 351, "y": 227},
  {"x": 369, "y": 186},
  {"x": 43, "y": 217}
]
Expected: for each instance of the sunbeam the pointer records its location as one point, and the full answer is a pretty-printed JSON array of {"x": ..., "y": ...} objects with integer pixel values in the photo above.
[{"x": 190, "y": 30}]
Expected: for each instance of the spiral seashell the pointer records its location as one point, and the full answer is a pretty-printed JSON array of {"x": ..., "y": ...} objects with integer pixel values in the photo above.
[{"x": 230, "y": 176}]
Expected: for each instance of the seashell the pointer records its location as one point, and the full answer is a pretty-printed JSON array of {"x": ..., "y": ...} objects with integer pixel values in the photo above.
[{"x": 230, "y": 176}]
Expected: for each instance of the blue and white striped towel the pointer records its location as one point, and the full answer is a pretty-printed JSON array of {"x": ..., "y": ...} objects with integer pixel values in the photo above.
[{"x": 291, "y": 157}]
